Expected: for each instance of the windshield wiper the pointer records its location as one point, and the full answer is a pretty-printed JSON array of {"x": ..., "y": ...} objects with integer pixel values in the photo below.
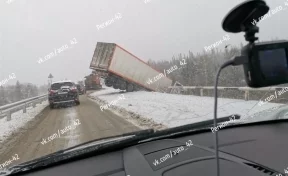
[
  {"x": 108, "y": 144},
  {"x": 190, "y": 128},
  {"x": 111, "y": 138},
  {"x": 77, "y": 151}
]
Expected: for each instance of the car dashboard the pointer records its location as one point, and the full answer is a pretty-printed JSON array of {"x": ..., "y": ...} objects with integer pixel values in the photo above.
[{"x": 243, "y": 150}]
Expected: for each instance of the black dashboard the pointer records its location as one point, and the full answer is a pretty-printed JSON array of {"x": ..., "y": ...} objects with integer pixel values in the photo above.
[{"x": 260, "y": 149}]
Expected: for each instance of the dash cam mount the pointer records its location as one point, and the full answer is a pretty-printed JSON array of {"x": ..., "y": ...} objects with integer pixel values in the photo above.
[
  {"x": 266, "y": 63},
  {"x": 239, "y": 18}
]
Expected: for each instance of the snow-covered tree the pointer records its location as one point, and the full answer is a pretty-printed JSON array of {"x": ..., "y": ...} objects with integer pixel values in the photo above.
[
  {"x": 3, "y": 97},
  {"x": 18, "y": 92}
]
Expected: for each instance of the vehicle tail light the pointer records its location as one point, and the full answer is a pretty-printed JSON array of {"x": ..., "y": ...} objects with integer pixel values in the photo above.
[
  {"x": 74, "y": 89},
  {"x": 51, "y": 92}
]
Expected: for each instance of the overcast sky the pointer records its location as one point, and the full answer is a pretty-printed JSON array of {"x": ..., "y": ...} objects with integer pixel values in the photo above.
[{"x": 158, "y": 29}]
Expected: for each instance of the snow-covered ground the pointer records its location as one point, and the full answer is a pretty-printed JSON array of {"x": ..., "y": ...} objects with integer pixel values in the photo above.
[
  {"x": 73, "y": 135},
  {"x": 175, "y": 110},
  {"x": 169, "y": 109},
  {"x": 18, "y": 120}
]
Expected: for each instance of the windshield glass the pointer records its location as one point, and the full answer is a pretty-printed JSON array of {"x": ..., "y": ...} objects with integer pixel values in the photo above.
[
  {"x": 137, "y": 65},
  {"x": 56, "y": 86}
]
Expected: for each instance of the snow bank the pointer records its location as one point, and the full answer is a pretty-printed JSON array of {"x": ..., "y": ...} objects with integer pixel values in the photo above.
[
  {"x": 175, "y": 110},
  {"x": 18, "y": 120}
]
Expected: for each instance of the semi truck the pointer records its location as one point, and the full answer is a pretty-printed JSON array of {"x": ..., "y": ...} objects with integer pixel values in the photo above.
[
  {"x": 125, "y": 71},
  {"x": 92, "y": 82}
]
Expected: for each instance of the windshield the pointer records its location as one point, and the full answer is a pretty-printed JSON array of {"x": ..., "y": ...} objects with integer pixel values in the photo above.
[
  {"x": 134, "y": 68},
  {"x": 57, "y": 86}
]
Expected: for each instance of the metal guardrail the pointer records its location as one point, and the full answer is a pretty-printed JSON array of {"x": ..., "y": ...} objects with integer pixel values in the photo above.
[
  {"x": 179, "y": 89},
  {"x": 9, "y": 109}
]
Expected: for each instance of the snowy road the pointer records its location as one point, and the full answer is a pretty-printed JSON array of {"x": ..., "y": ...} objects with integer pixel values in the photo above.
[
  {"x": 93, "y": 124},
  {"x": 57, "y": 129}
]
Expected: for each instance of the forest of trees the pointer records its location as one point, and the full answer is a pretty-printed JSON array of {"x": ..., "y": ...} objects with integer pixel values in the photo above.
[
  {"x": 201, "y": 68},
  {"x": 20, "y": 91}
]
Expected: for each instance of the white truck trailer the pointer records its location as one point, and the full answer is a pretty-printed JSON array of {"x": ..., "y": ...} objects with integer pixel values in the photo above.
[{"x": 125, "y": 71}]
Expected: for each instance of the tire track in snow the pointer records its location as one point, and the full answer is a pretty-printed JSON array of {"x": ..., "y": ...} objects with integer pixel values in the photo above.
[{"x": 73, "y": 135}]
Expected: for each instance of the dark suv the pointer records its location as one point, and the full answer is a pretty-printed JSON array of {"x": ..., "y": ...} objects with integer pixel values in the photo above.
[{"x": 64, "y": 92}]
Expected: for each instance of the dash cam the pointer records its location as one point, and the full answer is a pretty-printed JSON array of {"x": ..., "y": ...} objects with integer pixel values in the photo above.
[{"x": 265, "y": 63}]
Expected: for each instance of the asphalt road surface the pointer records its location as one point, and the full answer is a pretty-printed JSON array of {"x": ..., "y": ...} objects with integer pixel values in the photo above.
[{"x": 88, "y": 123}]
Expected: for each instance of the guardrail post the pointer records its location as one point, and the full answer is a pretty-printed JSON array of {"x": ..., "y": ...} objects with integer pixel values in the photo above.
[
  {"x": 246, "y": 95},
  {"x": 24, "y": 109},
  {"x": 170, "y": 90},
  {"x": 8, "y": 115},
  {"x": 201, "y": 92}
]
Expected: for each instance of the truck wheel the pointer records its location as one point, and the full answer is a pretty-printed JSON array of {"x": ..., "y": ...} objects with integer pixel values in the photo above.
[
  {"x": 122, "y": 84},
  {"x": 129, "y": 87},
  {"x": 107, "y": 82},
  {"x": 137, "y": 88},
  {"x": 115, "y": 84}
]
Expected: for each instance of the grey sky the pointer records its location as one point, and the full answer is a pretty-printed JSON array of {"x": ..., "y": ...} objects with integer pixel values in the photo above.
[{"x": 159, "y": 29}]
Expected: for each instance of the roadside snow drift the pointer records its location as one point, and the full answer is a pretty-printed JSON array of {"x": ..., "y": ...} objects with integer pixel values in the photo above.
[
  {"x": 175, "y": 110},
  {"x": 18, "y": 120}
]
